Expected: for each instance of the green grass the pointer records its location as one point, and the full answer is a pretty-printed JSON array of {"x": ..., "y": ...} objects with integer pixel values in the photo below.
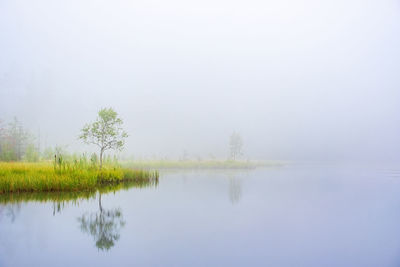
[
  {"x": 203, "y": 164},
  {"x": 48, "y": 177}
]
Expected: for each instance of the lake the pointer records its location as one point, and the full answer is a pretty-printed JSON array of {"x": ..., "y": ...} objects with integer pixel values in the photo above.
[{"x": 298, "y": 215}]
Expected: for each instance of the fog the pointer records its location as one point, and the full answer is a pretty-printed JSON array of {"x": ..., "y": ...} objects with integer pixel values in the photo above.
[{"x": 299, "y": 80}]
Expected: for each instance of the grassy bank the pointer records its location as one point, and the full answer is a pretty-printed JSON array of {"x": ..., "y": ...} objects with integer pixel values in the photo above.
[
  {"x": 48, "y": 177},
  {"x": 203, "y": 164}
]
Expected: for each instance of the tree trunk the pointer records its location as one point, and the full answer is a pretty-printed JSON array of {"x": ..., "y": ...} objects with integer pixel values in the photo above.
[
  {"x": 101, "y": 158},
  {"x": 100, "y": 207}
]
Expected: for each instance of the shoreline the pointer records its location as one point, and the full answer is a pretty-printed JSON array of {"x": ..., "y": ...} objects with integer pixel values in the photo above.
[{"x": 21, "y": 177}]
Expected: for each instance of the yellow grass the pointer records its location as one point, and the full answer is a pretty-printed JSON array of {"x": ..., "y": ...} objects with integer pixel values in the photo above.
[{"x": 45, "y": 177}]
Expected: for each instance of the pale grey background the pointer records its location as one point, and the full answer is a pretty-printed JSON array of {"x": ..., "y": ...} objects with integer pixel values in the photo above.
[{"x": 300, "y": 80}]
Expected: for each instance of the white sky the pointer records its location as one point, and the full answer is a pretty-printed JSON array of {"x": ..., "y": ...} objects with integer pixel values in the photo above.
[{"x": 298, "y": 79}]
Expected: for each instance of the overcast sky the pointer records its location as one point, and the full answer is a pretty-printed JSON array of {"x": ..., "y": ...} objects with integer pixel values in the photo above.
[{"x": 297, "y": 79}]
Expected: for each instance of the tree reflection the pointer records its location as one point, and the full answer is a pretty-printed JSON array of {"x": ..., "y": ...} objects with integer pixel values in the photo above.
[
  {"x": 104, "y": 226},
  {"x": 11, "y": 211},
  {"x": 235, "y": 190}
]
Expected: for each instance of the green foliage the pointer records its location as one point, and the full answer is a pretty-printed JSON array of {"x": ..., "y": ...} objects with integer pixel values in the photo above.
[
  {"x": 106, "y": 132},
  {"x": 93, "y": 160},
  {"x": 7, "y": 152},
  {"x": 64, "y": 175},
  {"x": 16, "y": 142}
]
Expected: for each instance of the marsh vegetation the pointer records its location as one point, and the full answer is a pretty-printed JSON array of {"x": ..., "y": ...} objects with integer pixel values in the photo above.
[
  {"x": 24, "y": 169},
  {"x": 65, "y": 176},
  {"x": 67, "y": 173}
]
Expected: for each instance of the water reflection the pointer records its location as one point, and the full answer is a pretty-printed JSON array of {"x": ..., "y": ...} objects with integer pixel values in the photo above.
[
  {"x": 10, "y": 211},
  {"x": 61, "y": 199},
  {"x": 43, "y": 197},
  {"x": 104, "y": 226},
  {"x": 235, "y": 190}
]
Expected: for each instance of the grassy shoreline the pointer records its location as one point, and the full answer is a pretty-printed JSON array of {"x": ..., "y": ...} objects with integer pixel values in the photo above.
[
  {"x": 82, "y": 175},
  {"x": 46, "y": 177}
]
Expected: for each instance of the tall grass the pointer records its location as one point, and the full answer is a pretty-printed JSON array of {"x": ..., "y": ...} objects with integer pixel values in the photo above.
[{"x": 62, "y": 175}]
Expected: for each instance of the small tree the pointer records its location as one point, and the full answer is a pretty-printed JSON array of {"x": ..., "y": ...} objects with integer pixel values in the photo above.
[
  {"x": 106, "y": 132},
  {"x": 14, "y": 140},
  {"x": 235, "y": 145}
]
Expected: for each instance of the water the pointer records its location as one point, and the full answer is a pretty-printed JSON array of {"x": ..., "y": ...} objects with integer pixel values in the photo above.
[{"x": 300, "y": 215}]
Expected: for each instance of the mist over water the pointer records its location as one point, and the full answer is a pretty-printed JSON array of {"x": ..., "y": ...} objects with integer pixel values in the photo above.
[
  {"x": 299, "y": 80},
  {"x": 301, "y": 215}
]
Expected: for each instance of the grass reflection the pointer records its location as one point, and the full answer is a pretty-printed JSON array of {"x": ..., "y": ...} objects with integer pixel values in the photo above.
[
  {"x": 73, "y": 197},
  {"x": 103, "y": 225}
]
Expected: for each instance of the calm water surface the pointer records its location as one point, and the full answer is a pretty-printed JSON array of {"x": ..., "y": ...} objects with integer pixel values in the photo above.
[{"x": 300, "y": 215}]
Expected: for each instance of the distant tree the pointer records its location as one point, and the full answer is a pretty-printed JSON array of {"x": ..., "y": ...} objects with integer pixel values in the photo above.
[
  {"x": 14, "y": 140},
  {"x": 106, "y": 132},
  {"x": 17, "y": 137},
  {"x": 235, "y": 146}
]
